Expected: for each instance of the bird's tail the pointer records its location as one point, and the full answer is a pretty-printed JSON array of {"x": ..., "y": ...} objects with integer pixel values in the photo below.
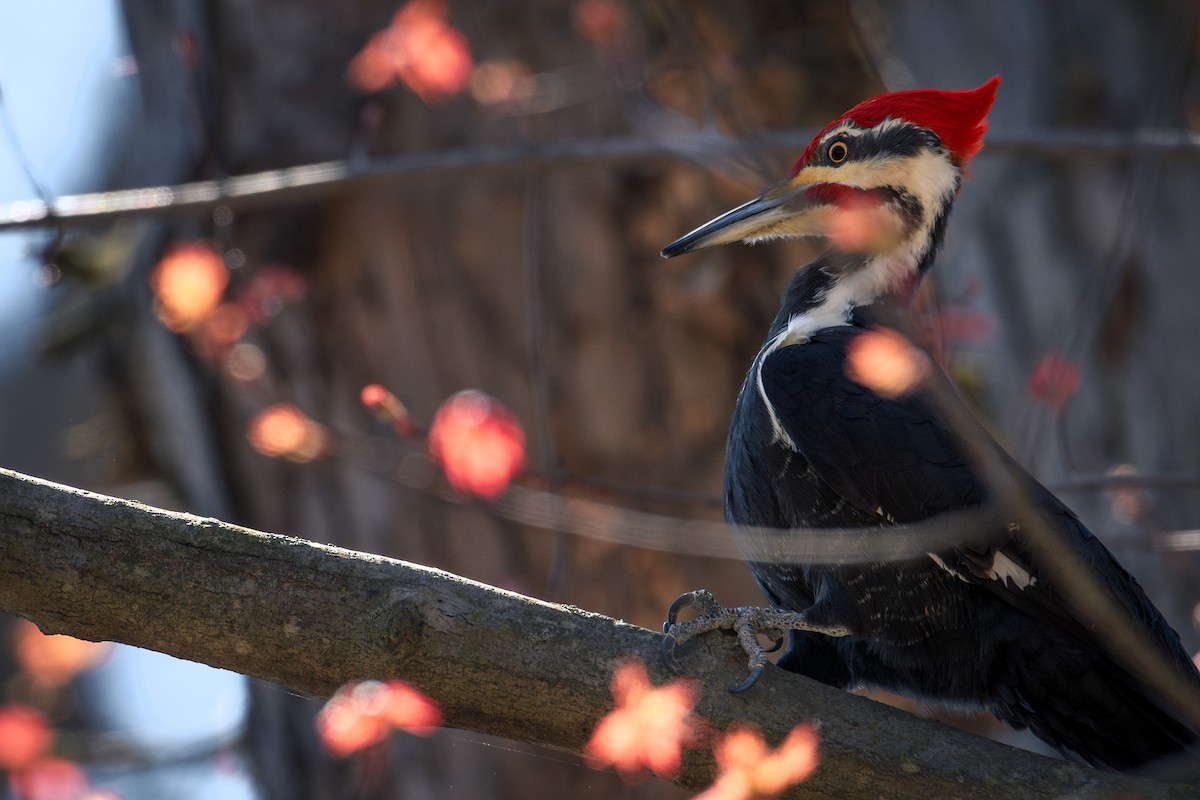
[{"x": 1078, "y": 700}]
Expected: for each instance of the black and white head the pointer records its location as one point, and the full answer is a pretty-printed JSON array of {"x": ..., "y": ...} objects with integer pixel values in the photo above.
[{"x": 877, "y": 183}]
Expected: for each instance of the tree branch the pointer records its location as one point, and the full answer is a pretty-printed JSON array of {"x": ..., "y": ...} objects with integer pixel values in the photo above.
[
  {"x": 312, "y": 617},
  {"x": 309, "y": 181}
]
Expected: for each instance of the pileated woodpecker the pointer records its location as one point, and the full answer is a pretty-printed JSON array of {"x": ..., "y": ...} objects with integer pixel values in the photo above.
[{"x": 978, "y": 621}]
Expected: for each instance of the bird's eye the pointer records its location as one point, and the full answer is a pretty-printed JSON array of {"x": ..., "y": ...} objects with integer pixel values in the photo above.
[{"x": 837, "y": 152}]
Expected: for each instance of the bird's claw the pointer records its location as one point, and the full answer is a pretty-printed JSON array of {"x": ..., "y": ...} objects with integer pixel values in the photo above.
[
  {"x": 701, "y": 600},
  {"x": 668, "y": 652},
  {"x": 713, "y": 616},
  {"x": 749, "y": 681},
  {"x": 748, "y": 623}
]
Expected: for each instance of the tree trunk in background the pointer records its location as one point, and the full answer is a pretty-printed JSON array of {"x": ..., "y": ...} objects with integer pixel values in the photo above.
[{"x": 544, "y": 287}]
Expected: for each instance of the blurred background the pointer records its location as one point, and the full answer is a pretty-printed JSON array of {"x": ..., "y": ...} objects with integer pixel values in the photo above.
[{"x": 473, "y": 196}]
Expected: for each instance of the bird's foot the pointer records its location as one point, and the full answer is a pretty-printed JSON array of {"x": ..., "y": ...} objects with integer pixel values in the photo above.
[{"x": 748, "y": 622}]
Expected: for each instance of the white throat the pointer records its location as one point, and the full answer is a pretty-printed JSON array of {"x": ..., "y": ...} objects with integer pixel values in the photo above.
[
  {"x": 932, "y": 181},
  {"x": 879, "y": 277}
]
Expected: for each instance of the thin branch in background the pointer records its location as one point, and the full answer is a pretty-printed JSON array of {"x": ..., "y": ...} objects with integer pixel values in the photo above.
[
  {"x": 22, "y": 157},
  {"x": 570, "y": 504},
  {"x": 41, "y": 189},
  {"x": 1081, "y": 483},
  {"x": 711, "y": 148},
  {"x": 553, "y": 510},
  {"x": 602, "y": 521},
  {"x": 1130, "y": 480},
  {"x": 1178, "y": 541},
  {"x": 641, "y": 493},
  {"x": 530, "y": 503}
]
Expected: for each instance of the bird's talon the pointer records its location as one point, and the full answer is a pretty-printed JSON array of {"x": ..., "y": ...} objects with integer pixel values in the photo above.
[
  {"x": 685, "y": 600},
  {"x": 750, "y": 680},
  {"x": 778, "y": 644},
  {"x": 668, "y": 655}
]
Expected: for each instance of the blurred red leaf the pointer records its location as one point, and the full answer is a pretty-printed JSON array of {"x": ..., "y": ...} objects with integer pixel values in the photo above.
[
  {"x": 388, "y": 408},
  {"x": 407, "y": 709},
  {"x": 750, "y": 771},
  {"x": 50, "y": 779},
  {"x": 267, "y": 292},
  {"x": 599, "y": 21},
  {"x": 479, "y": 444},
  {"x": 860, "y": 224},
  {"x": 222, "y": 329},
  {"x": 419, "y": 49},
  {"x": 362, "y": 714},
  {"x": 284, "y": 431},
  {"x": 344, "y": 729},
  {"x": 54, "y": 660},
  {"x": 649, "y": 726},
  {"x": 24, "y": 736},
  {"x": 188, "y": 284},
  {"x": 502, "y": 82},
  {"x": 1053, "y": 382},
  {"x": 885, "y": 362},
  {"x": 951, "y": 326}
]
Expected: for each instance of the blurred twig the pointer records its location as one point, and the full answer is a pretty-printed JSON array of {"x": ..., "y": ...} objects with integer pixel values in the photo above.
[
  {"x": 581, "y": 505},
  {"x": 1178, "y": 540},
  {"x": 18, "y": 150},
  {"x": 1110, "y": 481},
  {"x": 293, "y": 184},
  {"x": 600, "y": 520}
]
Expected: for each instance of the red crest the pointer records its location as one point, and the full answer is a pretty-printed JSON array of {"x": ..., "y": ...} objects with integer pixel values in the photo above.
[{"x": 959, "y": 118}]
